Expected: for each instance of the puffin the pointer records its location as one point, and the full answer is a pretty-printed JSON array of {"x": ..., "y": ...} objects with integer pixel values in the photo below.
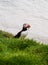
[{"x": 23, "y": 30}]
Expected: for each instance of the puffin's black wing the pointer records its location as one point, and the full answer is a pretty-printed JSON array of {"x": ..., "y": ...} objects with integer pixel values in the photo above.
[{"x": 17, "y": 35}]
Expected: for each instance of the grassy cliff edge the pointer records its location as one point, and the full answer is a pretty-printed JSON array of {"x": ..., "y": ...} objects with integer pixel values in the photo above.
[{"x": 22, "y": 51}]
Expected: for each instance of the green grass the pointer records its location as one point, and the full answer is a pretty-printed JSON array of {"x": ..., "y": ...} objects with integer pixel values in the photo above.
[
  {"x": 4, "y": 34},
  {"x": 22, "y": 51}
]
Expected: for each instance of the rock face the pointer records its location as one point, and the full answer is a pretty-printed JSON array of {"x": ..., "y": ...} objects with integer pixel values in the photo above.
[{"x": 13, "y": 13}]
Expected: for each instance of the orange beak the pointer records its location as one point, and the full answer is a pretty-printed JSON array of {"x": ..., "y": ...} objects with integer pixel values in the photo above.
[{"x": 28, "y": 26}]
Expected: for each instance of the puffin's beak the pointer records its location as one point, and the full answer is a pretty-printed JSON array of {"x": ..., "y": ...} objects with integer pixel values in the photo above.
[{"x": 28, "y": 26}]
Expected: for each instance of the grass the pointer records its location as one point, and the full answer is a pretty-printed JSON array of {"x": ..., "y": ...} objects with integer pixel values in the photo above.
[
  {"x": 21, "y": 51},
  {"x": 4, "y": 34}
]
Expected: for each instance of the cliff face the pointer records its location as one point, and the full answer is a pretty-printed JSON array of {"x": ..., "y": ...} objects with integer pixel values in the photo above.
[{"x": 13, "y": 13}]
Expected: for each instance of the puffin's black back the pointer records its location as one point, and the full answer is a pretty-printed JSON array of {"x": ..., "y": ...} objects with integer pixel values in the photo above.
[{"x": 19, "y": 33}]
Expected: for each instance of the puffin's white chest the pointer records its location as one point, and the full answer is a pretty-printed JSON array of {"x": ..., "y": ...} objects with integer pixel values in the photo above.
[{"x": 24, "y": 34}]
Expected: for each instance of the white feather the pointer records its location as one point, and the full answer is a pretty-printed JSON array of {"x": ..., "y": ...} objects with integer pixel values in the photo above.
[{"x": 24, "y": 34}]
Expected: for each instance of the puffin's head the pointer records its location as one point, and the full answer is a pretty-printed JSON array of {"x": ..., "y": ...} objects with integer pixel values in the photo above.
[{"x": 26, "y": 27}]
